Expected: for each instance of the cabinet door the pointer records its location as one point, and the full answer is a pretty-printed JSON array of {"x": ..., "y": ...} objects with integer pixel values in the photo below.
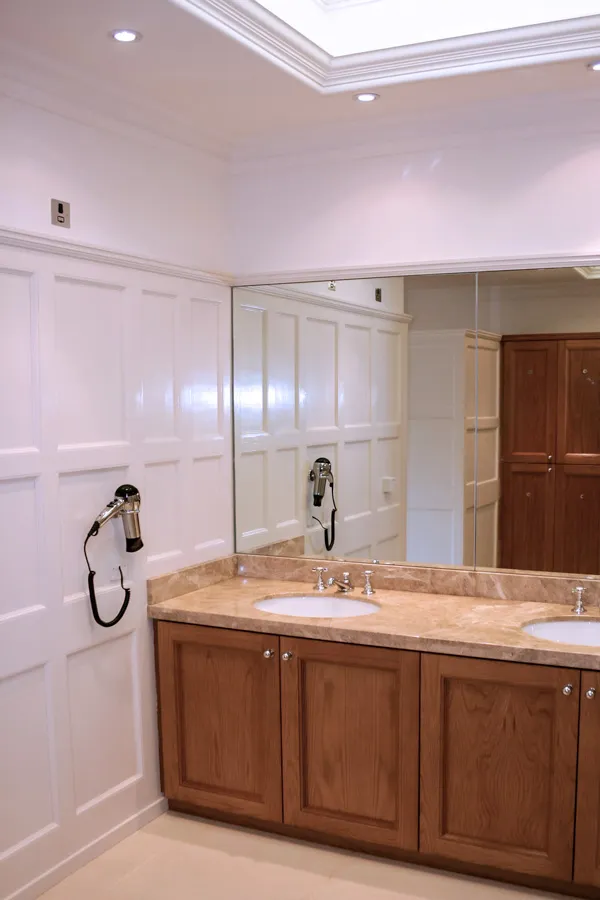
[
  {"x": 577, "y": 529},
  {"x": 587, "y": 831},
  {"x": 527, "y": 517},
  {"x": 529, "y": 382},
  {"x": 579, "y": 402},
  {"x": 351, "y": 741},
  {"x": 498, "y": 764},
  {"x": 220, "y": 719}
]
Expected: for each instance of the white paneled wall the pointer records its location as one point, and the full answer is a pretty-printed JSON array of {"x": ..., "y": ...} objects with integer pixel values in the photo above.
[
  {"x": 109, "y": 374},
  {"x": 315, "y": 379}
]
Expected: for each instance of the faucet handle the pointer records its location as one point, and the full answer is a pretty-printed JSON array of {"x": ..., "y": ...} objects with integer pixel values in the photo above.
[
  {"x": 369, "y": 589},
  {"x": 320, "y": 585},
  {"x": 346, "y": 578}
]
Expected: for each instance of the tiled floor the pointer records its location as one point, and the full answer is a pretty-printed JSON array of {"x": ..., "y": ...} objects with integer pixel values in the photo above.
[{"x": 181, "y": 858}]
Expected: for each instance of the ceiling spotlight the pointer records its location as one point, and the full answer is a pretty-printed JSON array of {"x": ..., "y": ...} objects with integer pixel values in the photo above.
[
  {"x": 594, "y": 66},
  {"x": 125, "y": 35},
  {"x": 366, "y": 97}
]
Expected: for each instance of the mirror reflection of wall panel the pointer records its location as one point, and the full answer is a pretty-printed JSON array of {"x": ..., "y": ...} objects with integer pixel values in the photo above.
[
  {"x": 488, "y": 448},
  {"x": 328, "y": 376},
  {"x": 440, "y": 477}
]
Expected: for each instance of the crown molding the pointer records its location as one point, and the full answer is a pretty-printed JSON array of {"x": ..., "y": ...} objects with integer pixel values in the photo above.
[
  {"x": 255, "y": 27},
  {"x": 41, "y": 243},
  {"x": 261, "y": 30},
  {"x": 431, "y": 267},
  {"x": 330, "y": 303}
]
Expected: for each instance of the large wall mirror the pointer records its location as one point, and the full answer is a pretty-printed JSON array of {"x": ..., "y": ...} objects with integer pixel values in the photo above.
[{"x": 437, "y": 420}]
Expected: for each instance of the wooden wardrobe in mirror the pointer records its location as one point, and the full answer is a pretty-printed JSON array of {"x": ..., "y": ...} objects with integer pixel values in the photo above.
[{"x": 550, "y": 479}]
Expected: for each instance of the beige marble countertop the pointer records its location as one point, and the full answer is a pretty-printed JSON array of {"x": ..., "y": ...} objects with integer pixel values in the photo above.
[{"x": 434, "y": 623}]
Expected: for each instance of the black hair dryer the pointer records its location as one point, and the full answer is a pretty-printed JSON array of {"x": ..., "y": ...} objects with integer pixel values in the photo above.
[
  {"x": 126, "y": 504},
  {"x": 321, "y": 475}
]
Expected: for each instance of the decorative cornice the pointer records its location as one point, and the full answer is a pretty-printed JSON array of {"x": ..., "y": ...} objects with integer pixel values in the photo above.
[
  {"x": 431, "y": 267},
  {"x": 331, "y": 303},
  {"x": 25, "y": 240},
  {"x": 258, "y": 28}
]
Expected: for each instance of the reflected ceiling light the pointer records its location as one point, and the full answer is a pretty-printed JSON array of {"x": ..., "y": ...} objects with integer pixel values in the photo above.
[
  {"x": 125, "y": 35},
  {"x": 594, "y": 66},
  {"x": 366, "y": 97}
]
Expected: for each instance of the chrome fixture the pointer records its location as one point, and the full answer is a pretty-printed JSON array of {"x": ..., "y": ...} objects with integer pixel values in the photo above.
[
  {"x": 345, "y": 586},
  {"x": 369, "y": 589},
  {"x": 320, "y": 585},
  {"x": 287, "y": 655},
  {"x": 579, "y": 608},
  {"x": 590, "y": 693},
  {"x": 568, "y": 689},
  {"x": 269, "y": 654}
]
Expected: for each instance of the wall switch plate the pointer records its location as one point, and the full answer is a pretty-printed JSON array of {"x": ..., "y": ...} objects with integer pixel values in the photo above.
[
  {"x": 331, "y": 286},
  {"x": 60, "y": 213},
  {"x": 378, "y": 295}
]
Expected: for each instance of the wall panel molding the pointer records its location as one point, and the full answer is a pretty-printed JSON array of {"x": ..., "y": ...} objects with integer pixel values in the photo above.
[{"x": 25, "y": 240}]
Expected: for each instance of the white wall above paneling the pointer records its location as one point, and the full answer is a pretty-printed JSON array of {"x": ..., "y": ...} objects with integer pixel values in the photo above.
[
  {"x": 116, "y": 374},
  {"x": 128, "y": 193}
]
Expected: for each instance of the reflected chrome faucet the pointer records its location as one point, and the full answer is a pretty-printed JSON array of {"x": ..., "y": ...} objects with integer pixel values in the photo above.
[
  {"x": 579, "y": 608},
  {"x": 345, "y": 586}
]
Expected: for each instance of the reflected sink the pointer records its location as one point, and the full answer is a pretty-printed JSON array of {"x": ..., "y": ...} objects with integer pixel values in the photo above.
[
  {"x": 585, "y": 632},
  {"x": 315, "y": 606}
]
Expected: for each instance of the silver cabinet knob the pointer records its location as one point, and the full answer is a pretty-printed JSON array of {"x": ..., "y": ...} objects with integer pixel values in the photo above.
[
  {"x": 287, "y": 655},
  {"x": 269, "y": 654},
  {"x": 568, "y": 689},
  {"x": 590, "y": 693}
]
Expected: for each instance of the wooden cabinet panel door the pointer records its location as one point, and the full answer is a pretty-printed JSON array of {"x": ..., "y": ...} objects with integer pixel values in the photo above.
[
  {"x": 350, "y": 736},
  {"x": 527, "y": 517},
  {"x": 220, "y": 719},
  {"x": 529, "y": 383},
  {"x": 579, "y": 402},
  {"x": 577, "y": 528},
  {"x": 587, "y": 831},
  {"x": 498, "y": 764}
]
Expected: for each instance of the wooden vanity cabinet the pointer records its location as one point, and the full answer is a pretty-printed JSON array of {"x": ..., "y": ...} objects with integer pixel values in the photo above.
[
  {"x": 350, "y": 729},
  {"x": 587, "y": 828},
  {"x": 219, "y": 693},
  {"x": 499, "y": 764}
]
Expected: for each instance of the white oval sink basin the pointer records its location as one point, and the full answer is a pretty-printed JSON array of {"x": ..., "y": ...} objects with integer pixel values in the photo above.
[
  {"x": 313, "y": 606},
  {"x": 572, "y": 631}
]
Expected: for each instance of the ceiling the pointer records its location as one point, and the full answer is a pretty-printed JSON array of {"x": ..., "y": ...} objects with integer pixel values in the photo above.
[
  {"x": 189, "y": 81},
  {"x": 344, "y": 27}
]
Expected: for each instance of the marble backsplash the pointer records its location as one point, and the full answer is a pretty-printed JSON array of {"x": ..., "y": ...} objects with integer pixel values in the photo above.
[
  {"x": 517, "y": 586},
  {"x": 184, "y": 581}
]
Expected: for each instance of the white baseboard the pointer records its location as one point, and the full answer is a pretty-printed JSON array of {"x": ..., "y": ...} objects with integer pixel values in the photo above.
[{"x": 89, "y": 852}]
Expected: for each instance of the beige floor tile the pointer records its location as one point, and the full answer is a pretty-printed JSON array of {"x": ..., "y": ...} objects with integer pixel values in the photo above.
[
  {"x": 181, "y": 858},
  {"x": 370, "y": 879}
]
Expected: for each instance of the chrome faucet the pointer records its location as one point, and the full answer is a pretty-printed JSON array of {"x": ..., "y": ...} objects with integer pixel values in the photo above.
[
  {"x": 579, "y": 608},
  {"x": 345, "y": 586}
]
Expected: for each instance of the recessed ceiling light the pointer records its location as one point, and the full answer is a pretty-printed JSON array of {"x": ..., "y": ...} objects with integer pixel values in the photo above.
[
  {"x": 366, "y": 97},
  {"x": 594, "y": 66},
  {"x": 125, "y": 35}
]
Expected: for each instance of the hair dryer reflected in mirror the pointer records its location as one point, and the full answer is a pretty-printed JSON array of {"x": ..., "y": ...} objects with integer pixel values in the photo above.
[
  {"x": 321, "y": 475},
  {"x": 126, "y": 504}
]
